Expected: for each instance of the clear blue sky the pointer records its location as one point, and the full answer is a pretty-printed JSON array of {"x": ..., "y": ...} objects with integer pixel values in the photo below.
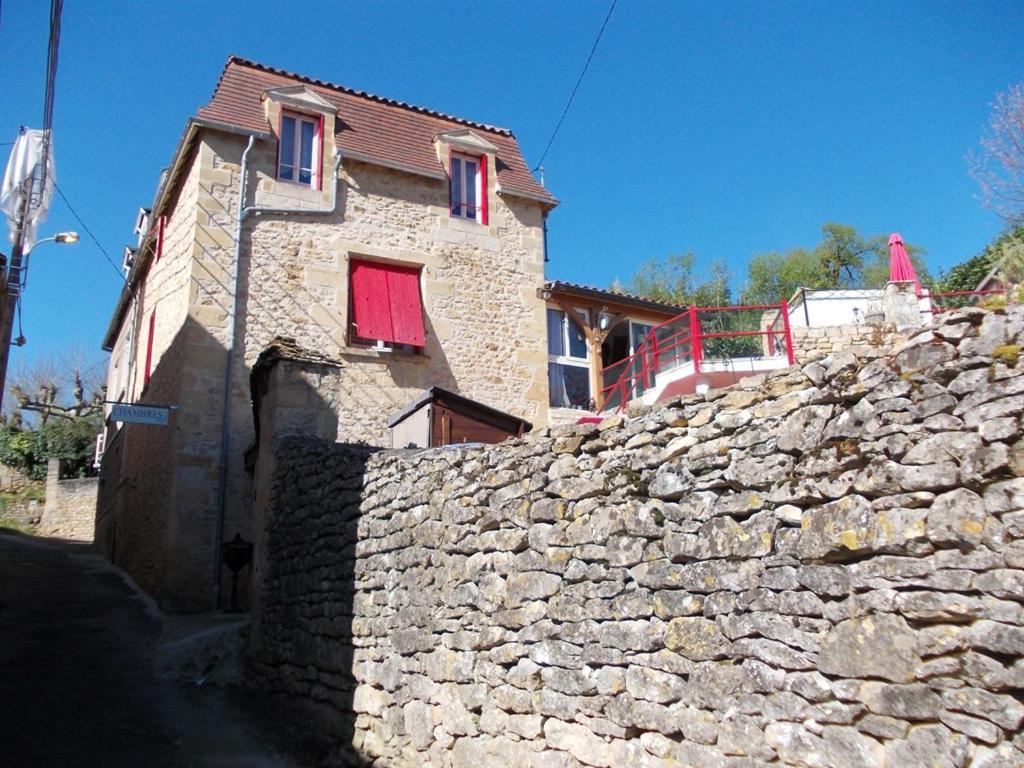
[{"x": 726, "y": 128}]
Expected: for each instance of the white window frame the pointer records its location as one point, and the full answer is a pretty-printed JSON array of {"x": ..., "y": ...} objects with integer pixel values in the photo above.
[
  {"x": 296, "y": 158},
  {"x": 567, "y": 359},
  {"x": 478, "y": 205}
]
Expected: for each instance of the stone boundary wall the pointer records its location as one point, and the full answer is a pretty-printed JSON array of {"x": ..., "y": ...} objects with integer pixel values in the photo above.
[
  {"x": 812, "y": 343},
  {"x": 70, "y": 508},
  {"x": 822, "y": 567},
  {"x": 13, "y": 481}
]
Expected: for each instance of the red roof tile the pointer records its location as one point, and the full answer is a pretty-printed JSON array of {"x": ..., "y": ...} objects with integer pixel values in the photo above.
[{"x": 384, "y": 129}]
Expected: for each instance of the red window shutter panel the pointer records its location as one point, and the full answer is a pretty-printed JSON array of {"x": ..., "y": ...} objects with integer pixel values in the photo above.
[
  {"x": 406, "y": 307},
  {"x": 371, "y": 307},
  {"x": 451, "y": 183},
  {"x": 483, "y": 189},
  {"x": 149, "y": 348},
  {"x": 318, "y": 141}
]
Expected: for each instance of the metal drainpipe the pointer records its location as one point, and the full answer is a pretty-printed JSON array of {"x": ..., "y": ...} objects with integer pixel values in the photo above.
[
  {"x": 225, "y": 426},
  {"x": 544, "y": 219},
  {"x": 225, "y": 438}
]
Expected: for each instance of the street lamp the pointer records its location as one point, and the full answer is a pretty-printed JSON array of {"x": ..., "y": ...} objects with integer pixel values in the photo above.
[
  {"x": 68, "y": 238},
  {"x": 60, "y": 237}
]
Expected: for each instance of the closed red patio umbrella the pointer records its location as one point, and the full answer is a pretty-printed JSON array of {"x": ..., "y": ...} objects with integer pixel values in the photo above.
[{"x": 900, "y": 267}]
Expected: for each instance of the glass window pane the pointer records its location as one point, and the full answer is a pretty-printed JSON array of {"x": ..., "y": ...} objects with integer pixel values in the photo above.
[
  {"x": 556, "y": 345},
  {"x": 286, "y": 151},
  {"x": 456, "y": 186},
  {"x": 569, "y": 386},
  {"x": 643, "y": 376},
  {"x": 470, "y": 188},
  {"x": 577, "y": 342},
  {"x": 306, "y": 150},
  {"x": 286, "y": 172},
  {"x": 637, "y": 333}
]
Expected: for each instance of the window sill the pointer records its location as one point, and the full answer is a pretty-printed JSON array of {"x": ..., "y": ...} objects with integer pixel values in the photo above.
[
  {"x": 467, "y": 225},
  {"x": 373, "y": 354}
]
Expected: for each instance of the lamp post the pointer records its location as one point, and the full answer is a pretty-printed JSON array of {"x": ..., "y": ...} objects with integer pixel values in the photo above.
[{"x": 13, "y": 281}]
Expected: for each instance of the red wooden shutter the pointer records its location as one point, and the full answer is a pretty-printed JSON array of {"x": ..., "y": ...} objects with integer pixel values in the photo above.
[
  {"x": 371, "y": 307},
  {"x": 386, "y": 303},
  {"x": 451, "y": 184},
  {"x": 483, "y": 189},
  {"x": 318, "y": 142},
  {"x": 406, "y": 308},
  {"x": 149, "y": 348}
]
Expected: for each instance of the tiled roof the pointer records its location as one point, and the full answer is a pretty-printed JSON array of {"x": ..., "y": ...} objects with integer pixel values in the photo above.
[
  {"x": 621, "y": 297},
  {"x": 390, "y": 131}
]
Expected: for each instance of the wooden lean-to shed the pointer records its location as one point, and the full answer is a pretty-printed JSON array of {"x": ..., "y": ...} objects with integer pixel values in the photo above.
[{"x": 439, "y": 417}]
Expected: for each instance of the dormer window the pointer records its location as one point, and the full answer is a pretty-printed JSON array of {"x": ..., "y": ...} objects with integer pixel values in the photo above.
[
  {"x": 469, "y": 156},
  {"x": 469, "y": 187},
  {"x": 298, "y": 155}
]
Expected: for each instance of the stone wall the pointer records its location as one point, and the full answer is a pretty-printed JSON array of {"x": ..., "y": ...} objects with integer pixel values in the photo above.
[
  {"x": 70, "y": 508},
  {"x": 14, "y": 481},
  {"x": 821, "y": 567},
  {"x": 812, "y": 343}
]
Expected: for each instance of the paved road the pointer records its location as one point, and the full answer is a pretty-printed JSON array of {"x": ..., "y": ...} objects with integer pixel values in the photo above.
[{"x": 75, "y": 684}]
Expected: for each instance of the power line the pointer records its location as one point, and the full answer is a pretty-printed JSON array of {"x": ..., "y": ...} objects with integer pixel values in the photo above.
[
  {"x": 56, "y": 6},
  {"x": 577, "y": 86},
  {"x": 89, "y": 232}
]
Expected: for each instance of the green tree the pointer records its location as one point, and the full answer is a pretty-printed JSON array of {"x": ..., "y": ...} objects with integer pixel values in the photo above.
[
  {"x": 71, "y": 440},
  {"x": 54, "y": 411},
  {"x": 674, "y": 281},
  {"x": 1005, "y": 254},
  {"x": 842, "y": 259}
]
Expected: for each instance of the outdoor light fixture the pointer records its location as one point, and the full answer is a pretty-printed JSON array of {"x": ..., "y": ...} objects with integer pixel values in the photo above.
[
  {"x": 68, "y": 238},
  {"x": 604, "y": 319}
]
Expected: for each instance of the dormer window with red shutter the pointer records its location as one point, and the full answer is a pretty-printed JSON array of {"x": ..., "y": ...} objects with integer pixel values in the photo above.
[
  {"x": 469, "y": 187},
  {"x": 470, "y": 159}
]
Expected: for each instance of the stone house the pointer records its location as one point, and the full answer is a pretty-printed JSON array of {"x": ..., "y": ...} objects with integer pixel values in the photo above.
[{"x": 404, "y": 245}]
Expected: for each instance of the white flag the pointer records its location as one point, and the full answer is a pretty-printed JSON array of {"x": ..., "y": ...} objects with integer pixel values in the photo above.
[{"x": 25, "y": 163}]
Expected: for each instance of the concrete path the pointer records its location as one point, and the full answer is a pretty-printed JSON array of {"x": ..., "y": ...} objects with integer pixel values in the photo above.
[{"x": 76, "y": 688}]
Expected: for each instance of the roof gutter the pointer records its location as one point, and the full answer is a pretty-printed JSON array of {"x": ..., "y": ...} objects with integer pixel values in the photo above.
[{"x": 608, "y": 297}]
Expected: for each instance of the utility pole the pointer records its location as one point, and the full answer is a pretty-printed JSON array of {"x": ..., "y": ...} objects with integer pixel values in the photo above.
[{"x": 12, "y": 285}]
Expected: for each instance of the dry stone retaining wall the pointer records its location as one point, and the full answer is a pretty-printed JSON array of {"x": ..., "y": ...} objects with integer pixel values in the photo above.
[
  {"x": 811, "y": 343},
  {"x": 824, "y": 567}
]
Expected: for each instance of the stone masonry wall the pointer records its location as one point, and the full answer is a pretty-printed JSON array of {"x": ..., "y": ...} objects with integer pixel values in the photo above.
[
  {"x": 822, "y": 567},
  {"x": 812, "y": 343},
  {"x": 70, "y": 508}
]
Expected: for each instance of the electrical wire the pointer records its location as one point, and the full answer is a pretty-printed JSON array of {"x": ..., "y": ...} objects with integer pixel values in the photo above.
[
  {"x": 577, "y": 86},
  {"x": 89, "y": 233},
  {"x": 56, "y": 7}
]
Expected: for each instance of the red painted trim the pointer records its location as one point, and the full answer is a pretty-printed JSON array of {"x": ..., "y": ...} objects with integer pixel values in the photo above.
[
  {"x": 483, "y": 189},
  {"x": 451, "y": 185},
  {"x": 149, "y": 348},
  {"x": 319, "y": 139}
]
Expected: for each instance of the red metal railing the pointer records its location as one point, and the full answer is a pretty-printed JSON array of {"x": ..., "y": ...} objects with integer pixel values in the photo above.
[
  {"x": 959, "y": 299},
  {"x": 679, "y": 341}
]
